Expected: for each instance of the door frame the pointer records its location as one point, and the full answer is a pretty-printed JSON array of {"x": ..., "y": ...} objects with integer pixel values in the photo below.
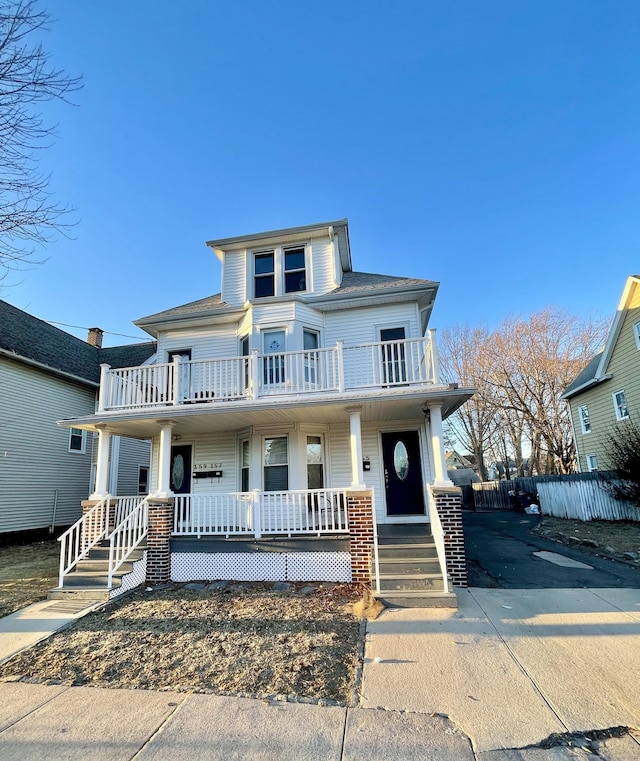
[
  {"x": 424, "y": 461},
  {"x": 190, "y": 474}
]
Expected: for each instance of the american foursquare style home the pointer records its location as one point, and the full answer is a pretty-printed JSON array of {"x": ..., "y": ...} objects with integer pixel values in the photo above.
[{"x": 296, "y": 429}]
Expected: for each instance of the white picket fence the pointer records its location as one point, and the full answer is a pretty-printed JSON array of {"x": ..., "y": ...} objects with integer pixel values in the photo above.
[{"x": 584, "y": 501}]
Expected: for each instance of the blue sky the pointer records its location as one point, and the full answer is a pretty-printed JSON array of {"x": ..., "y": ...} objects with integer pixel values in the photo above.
[{"x": 492, "y": 146}]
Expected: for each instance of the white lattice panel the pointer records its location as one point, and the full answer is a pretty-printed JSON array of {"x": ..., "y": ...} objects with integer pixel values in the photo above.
[
  {"x": 133, "y": 579},
  {"x": 233, "y": 566},
  {"x": 261, "y": 566},
  {"x": 318, "y": 566}
]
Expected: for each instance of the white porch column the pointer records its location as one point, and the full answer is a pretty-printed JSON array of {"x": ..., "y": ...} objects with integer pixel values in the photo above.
[
  {"x": 357, "y": 474},
  {"x": 164, "y": 460},
  {"x": 437, "y": 442},
  {"x": 102, "y": 464}
]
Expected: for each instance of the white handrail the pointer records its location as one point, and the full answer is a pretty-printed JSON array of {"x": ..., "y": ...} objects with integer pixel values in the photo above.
[
  {"x": 85, "y": 533},
  {"x": 438, "y": 537},
  {"x": 126, "y": 536}
]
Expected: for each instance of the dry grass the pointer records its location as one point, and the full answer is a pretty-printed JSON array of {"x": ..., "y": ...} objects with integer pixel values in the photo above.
[
  {"x": 244, "y": 639},
  {"x": 27, "y": 573},
  {"x": 611, "y": 538}
]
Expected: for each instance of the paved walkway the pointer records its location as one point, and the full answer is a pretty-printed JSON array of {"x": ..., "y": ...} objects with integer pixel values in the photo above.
[{"x": 509, "y": 668}]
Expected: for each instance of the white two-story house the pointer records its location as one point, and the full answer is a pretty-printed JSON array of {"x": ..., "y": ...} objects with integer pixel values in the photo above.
[{"x": 273, "y": 404}]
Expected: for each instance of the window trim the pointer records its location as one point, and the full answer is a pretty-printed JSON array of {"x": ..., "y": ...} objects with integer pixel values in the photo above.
[
  {"x": 279, "y": 272},
  {"x": 616, "y": 405},
  {"x": 282, "y": 465},
  {"x": 636, "y": 333},
  {"x": 585, "y": 420},
  {"x": 148, "y": 469},
  {"x": 592, "y": 462},
  {"x": 264, "y": 275},
  {"x": 285, "y": 271},
  {"x": 73, "y": 432}
]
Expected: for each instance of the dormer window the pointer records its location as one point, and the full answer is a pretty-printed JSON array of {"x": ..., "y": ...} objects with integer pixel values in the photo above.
[
  {"x": 295, "y": 278},
  {"x": 264, "y": 271},
  {"x": 279, "y": 271}
]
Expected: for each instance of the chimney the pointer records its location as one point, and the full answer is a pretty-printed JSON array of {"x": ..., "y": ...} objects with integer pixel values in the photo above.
[{"x": 95, "y": 337}]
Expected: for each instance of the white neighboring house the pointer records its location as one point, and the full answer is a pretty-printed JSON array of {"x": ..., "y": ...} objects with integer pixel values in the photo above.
[
  {"x": 47, "y": 374},
  {"x": 279, "y": 410}
]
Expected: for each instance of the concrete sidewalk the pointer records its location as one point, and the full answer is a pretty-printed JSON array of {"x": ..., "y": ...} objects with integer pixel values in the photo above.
[
  {"x": 509, "y": 668},
  {"x": 26, "y": 627}
]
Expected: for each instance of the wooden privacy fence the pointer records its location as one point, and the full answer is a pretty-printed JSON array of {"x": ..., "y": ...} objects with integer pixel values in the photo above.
[{"x": 582, "y": 496}]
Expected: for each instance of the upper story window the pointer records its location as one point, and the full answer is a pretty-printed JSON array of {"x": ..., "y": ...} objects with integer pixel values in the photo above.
[
  {"x": 620, "y": 405},
  {"x": 592, "y": 462},
  {"x": 636, "y": 333},
  {"x": 278, "y": 271},
  {"x": 264, "y": 274},
  {"x": 583, "y": 414},
  {"x": 295, "y": 276},
  {"x": 77, "y": 439}
]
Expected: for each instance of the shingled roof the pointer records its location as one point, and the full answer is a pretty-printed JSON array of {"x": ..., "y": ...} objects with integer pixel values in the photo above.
[
  {"x": 586, "y": 375},
  {"x": 27, "y": 337}
]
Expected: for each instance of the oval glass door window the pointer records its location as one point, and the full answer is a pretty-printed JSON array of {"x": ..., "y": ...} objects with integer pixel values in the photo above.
[
  {"x": 177, "y": 472},
  {"x": 401, "y": 460}
]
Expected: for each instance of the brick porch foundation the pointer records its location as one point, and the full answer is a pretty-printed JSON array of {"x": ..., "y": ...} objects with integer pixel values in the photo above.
[
  {"x": 158, "y": 541},
  {"x": 359, "y": 510},
  {"x": 448, "y": 501}
]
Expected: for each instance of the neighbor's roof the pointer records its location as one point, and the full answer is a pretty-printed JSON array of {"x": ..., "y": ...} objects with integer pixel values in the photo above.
[{"x": 24, "y": 336}]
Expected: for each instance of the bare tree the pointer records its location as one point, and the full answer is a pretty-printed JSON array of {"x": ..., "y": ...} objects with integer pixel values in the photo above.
[
  {"x": 464, "y": 354},
  {"x": 28, "y": 214}
]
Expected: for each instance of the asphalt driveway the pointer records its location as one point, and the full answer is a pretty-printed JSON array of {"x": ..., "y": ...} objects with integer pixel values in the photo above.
[{"x": 501, "y": 553}]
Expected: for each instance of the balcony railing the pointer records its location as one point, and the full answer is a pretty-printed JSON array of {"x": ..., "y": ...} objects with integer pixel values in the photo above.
[
  {"x": 384, "y": 364},
  {"x": 254, "y": 514}
]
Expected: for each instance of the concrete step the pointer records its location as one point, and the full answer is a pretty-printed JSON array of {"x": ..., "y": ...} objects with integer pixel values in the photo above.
[
  {"x": 417, "y": 599},
  {"x": 82, "y": 593},
  {"x": 408, "y": 566},
  {"x": 417, "y": 582},
  {"x": 423, "y": 549}
]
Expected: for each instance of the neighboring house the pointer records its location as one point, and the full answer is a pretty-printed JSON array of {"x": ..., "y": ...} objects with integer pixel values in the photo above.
[
  {"x": 607, "y": 390},
  {"x": 301, "y": 403},
  {"x": 47, "y": 374}
]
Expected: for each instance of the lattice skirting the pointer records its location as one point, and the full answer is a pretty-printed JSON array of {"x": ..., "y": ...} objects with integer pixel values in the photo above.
[
  {"x": 133, "y": 579},
  {"x": 261, "y": 566}
]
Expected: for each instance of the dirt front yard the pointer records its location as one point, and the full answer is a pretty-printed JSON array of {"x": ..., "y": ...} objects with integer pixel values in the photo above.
[
  {"x": 27, "y": 573},
  {"x": 615, "y": 539},
  {"x": 235, "y": 638}
]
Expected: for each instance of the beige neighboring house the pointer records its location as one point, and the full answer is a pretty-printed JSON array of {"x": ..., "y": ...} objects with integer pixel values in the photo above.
[
  {"x": 607, "y": 391},
  {"x": 47, "y": 374}
]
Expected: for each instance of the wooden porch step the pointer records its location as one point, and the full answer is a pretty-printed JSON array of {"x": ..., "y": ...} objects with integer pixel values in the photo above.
[
  {"x": 97, "y": 594},
  {"x": 422, "y": 550},
  {"x": 408, "y": 566}
]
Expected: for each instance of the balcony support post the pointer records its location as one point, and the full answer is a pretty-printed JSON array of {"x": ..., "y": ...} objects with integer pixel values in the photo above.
[
  {"x": 101, "y": 485},
  {"x": 103, "y": 391},
  {"x": 434, "y": 430},
  {"x": 357, "y": 472},
  {"x": 163, "y": 490},
  {"x": 435, "y": 372}
]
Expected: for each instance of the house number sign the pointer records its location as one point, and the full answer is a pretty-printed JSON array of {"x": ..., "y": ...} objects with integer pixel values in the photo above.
[{"x": 207, "y": 466}]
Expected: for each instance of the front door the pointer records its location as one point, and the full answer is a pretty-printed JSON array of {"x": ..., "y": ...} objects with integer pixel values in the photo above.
[
  {"x": 181, "y": 469},
  {"x": 402, "y": 473}
]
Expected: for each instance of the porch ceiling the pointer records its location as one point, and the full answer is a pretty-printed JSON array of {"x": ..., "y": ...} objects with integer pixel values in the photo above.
[{"x": 193, "y": 419}]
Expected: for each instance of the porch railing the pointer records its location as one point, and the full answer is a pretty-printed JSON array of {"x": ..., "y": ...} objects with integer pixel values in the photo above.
[
  {"x": 438, "y": 537},
  {"x": 254, "y": 514},
  {"x": 128, "y": 534},
  {"x": 77, "y": 541},
  {"x": 383, "y": 364}
]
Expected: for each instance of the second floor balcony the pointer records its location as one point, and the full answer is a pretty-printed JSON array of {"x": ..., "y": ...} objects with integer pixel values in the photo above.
[{"x": 338, "y": 369}]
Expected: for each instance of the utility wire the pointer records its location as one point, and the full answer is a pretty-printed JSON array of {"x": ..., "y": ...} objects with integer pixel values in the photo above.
[{"x": 81, "y": 327}]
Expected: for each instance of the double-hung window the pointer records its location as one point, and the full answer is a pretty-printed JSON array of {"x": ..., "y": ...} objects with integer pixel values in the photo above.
[
  {"x": 636, "y": 333},
  {"x": 585, "y": 422},
  {"x": 244, "y": 465},
  {"x": 77, "y": 440},
  {"x": 295, "y": 276},
  {"x": 592, "y": 462},
  {"x": 264, "y": 274},
  {"x": 276, "y": 464},
  {"x": 620, "y": 405}
]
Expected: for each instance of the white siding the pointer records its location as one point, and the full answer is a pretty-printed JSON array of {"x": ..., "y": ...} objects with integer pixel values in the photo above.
[
  {"x": 357, "y": 326},
  {"x": 322, "y": 275},
  {"x": 220, "y": 342},
  {"x": 35, "y": 462},
  {"x": 234, "y": 277}
]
